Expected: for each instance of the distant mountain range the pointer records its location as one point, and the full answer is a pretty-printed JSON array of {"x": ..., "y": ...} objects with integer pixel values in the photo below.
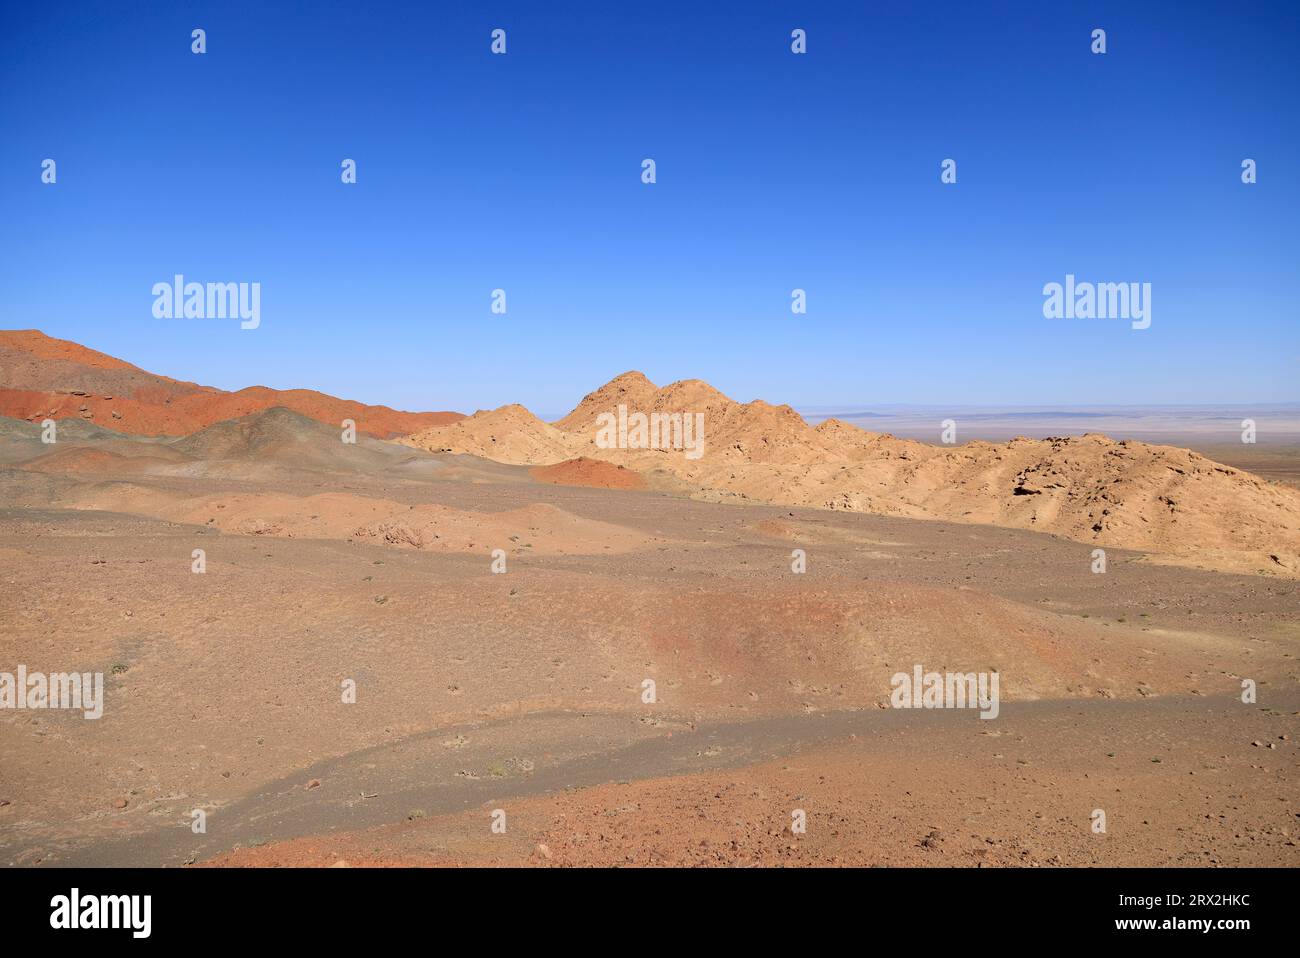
[{"x": 1175, "y": 504}]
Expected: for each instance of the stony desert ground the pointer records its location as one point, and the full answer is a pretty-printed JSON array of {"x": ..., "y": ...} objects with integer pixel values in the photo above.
[{"x": 516, "y": 698}]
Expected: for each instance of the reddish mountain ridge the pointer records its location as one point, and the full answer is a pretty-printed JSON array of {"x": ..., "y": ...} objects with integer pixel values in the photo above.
[{"x": 44, "y": 377}]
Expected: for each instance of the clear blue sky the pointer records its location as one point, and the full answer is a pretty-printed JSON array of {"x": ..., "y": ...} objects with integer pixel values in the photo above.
[{"x": 775, "y": 171}]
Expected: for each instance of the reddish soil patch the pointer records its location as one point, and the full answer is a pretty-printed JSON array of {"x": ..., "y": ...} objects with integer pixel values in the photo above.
[{"x": 582, "y": 471}]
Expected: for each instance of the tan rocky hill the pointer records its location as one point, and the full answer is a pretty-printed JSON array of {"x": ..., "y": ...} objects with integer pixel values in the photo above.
[
  {"x": 508, "y": 434},
  {"x": 1174, "y": 503}
]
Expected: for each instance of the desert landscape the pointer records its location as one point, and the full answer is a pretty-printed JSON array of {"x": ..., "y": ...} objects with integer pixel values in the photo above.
[{"x": 336, "y": 634}]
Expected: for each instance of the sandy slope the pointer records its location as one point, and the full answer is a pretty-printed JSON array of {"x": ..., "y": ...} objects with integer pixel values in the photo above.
[
  {"x": 108, "y": 472},
  {"x": 524, "y": 690}
]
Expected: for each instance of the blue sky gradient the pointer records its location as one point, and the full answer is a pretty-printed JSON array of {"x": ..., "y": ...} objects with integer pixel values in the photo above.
[{"x": 775, "y": 171}]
